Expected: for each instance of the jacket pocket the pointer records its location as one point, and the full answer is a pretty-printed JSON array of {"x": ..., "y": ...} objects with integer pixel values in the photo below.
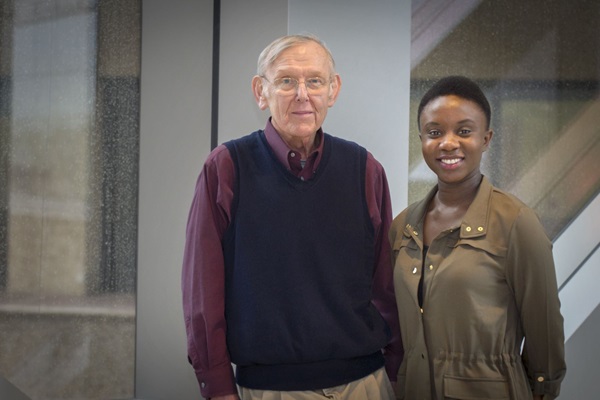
[{"x": 471, "y": 388}]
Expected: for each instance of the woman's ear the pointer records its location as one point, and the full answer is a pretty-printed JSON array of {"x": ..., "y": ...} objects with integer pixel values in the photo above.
[
  {"x": 487, "y": 139},
  {"x": 259, "y": 92}
]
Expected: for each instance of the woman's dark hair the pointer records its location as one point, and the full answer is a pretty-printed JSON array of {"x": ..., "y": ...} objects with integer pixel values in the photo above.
[{"x": 458, "y": 86}]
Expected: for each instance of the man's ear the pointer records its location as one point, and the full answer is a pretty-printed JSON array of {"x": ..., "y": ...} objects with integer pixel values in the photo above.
[
  {"x": 259, "y": 92},
  {"x": 334, "y": 90}
]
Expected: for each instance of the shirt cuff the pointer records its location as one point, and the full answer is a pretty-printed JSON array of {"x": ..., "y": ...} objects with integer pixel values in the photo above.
[
  {"x": 216, "y": 382},
  {"x": 542, "y": 386}
]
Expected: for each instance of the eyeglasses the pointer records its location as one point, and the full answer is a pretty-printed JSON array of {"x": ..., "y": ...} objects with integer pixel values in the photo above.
[{"x": 289, "y": 85}]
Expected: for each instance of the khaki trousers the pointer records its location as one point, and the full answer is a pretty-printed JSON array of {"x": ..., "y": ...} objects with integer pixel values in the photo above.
[{"x": 375, "y": 386}]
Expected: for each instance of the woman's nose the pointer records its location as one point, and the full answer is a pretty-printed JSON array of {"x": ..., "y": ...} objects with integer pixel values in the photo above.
[{"x": 449, "y": 141}]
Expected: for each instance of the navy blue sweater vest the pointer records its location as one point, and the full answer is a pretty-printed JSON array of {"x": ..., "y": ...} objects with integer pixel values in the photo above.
[{"x": 299, "y": 260}]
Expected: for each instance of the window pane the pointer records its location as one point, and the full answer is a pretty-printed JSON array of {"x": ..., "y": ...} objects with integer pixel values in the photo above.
[
  {"x": 539, "y": 63},
  {"x": 69, "y": 134}
]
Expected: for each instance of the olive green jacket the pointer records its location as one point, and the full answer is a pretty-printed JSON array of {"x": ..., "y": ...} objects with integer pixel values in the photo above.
[{"x": 488, "y": 284}]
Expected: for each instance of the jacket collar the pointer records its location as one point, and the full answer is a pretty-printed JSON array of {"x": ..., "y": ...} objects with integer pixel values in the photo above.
[{"x": 474, "y": 223}]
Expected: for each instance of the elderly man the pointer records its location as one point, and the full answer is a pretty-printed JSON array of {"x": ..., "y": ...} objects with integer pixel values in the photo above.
[{"x": 287, "y": 267}]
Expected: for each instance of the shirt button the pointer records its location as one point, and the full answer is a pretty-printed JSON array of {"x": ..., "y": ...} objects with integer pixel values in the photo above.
[
  {"x": 292, "y": 154},
  {"x": 414, "y": 271},
  {"x": 468, "y": 229},
  {"x": 203, "y": 385},
  {"x": 421, "y": 311},
  {"x": 540, "y": 379},
  {"x": 480, "y": 229},
  {"x": 431, "y": 267}
]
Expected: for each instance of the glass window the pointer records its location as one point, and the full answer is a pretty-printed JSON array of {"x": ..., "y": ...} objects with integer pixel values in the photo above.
[
  {"x": 69, "y": 141},
  {"x": 539, "y": 63}
]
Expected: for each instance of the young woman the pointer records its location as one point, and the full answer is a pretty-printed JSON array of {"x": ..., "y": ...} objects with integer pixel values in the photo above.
[{"x": 473, "y": 270}]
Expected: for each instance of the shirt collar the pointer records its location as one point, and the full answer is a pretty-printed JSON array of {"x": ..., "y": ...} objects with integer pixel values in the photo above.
[
  {"x": 475, "y": 221},
  {"x": 282, "y": 150}
]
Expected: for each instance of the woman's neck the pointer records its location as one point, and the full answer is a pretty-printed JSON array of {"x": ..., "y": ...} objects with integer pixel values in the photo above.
[{"x": 460, "y": 194}]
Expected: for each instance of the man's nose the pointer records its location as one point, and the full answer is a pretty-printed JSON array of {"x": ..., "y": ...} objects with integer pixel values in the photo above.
[{"x": 301, "y": 91}]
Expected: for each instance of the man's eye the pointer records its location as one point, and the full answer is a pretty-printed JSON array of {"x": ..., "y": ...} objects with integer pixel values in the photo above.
[
  {"x": 434, "y": 133},
  {"x": 316, "y": 82},
  {"x": 464, "y": 132},
  {"x": 286, "y": 81}
]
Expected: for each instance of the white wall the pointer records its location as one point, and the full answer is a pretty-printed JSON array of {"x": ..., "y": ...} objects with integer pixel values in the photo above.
[
  {"x": 174, "y": 141},
  {"x": 370, "y": 41},
  {"x": 247, "y": 27}
]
